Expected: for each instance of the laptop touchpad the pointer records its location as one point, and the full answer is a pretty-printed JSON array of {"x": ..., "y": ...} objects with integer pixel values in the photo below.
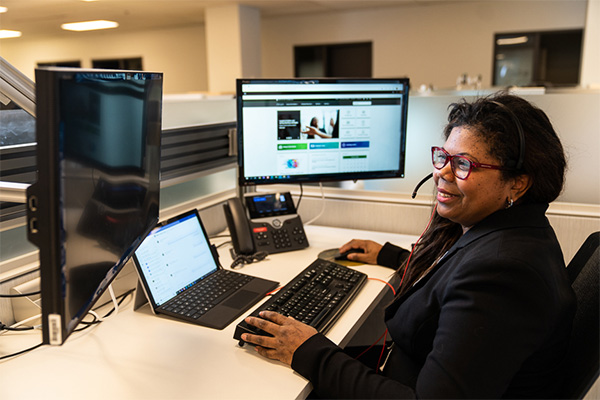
[{"x": 240, "y": 299}]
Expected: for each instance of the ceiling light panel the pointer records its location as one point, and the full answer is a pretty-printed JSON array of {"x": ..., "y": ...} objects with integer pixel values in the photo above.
[
  {"x": 8, "y": 34},
  {"x": 89, "y": 25}
]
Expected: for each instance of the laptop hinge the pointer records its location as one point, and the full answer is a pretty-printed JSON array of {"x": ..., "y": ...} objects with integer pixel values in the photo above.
[{"x": 215, "y": 253}]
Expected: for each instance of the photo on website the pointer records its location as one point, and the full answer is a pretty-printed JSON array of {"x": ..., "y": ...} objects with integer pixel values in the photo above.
[
  {"x": 288, "y": 125},
  {"x": 321, "y": 124},
  {"x": 313, "y": 124}
]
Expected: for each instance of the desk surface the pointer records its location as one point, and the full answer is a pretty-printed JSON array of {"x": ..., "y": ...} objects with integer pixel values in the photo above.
[{"x": 136, "y": 354}]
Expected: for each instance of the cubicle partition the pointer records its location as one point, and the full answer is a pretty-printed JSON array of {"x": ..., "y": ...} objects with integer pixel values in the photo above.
[{"x": 202, "y": 181}]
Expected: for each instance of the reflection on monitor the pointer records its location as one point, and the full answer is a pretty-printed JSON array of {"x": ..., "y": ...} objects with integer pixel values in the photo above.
[
  {"x": 97, "y": 194},
  {"x": 310, "y": 130}
]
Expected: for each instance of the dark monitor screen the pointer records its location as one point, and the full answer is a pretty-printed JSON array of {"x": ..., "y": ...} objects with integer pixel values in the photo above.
[
  {"x": 311, "y": 130},
  {"x": 97, "y": 193}
]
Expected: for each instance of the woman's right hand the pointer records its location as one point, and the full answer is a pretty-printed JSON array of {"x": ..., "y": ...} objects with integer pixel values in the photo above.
[{"x": 370, "y": 250}]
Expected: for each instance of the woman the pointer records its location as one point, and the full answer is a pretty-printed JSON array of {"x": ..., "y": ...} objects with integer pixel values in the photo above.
[
  {"x": 313, "y": 131},
  {"x": 485, "y": 308}
]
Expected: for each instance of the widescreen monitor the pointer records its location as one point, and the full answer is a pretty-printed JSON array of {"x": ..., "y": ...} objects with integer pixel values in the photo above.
[
  {"x": 312, "y": 130},
  {"x": 97, "y": 193}
]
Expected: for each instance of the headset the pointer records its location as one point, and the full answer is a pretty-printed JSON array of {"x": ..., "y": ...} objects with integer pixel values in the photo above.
[
  {"x": 511, "y": 164},
  {"x": 519, "y": 164}
]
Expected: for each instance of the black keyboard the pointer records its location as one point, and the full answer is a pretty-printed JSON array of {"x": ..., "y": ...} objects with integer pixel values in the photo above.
[
  {"x": 317, "y": 296},
  {"x": 204, "y": 295}
]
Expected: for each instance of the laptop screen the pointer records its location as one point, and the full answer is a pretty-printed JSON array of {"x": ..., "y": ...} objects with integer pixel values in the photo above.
[{"x": 175, "y": 256}]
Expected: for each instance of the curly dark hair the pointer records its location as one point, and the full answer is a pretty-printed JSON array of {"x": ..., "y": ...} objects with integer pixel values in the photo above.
[{"x": 495, "y": 120}]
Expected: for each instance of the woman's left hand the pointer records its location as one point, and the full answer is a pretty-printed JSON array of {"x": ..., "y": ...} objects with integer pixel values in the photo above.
[{"x": 288, "y": 335}]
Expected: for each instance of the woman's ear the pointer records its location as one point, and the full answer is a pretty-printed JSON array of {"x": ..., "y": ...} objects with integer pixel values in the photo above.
[{"x": 521, "y": 184}]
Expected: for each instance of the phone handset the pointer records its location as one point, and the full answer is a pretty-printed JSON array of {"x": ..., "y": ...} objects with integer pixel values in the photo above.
[{"x": 239, "y": 226}]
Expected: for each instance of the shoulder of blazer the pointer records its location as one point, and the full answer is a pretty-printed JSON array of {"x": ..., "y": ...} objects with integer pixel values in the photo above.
[{"x": 520, "y": 216}]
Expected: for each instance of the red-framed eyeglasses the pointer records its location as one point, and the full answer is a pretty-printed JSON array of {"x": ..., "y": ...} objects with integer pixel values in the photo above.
[{"x": 461, "y": 166}]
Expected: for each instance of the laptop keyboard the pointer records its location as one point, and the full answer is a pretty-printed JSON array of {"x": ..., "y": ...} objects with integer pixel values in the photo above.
[
  {"x": 317, "y": 296},
  {"x": 204, "y": 295}
]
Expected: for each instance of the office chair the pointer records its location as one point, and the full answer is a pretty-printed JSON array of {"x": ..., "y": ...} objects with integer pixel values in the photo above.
[{"x": 582, "y": 368}]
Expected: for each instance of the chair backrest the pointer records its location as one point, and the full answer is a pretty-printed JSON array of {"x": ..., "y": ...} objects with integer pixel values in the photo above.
[{"x": 582, "y": 367}]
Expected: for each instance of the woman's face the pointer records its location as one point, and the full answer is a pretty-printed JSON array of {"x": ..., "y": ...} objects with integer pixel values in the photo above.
[{"x": 483, "y": 192}]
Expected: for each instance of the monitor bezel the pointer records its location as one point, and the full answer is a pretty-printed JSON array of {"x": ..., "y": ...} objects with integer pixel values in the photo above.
[{"x": 325, "y": 177}]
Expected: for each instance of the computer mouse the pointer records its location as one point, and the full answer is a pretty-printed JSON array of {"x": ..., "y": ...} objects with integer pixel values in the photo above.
[{"x": 344, "y": 255}]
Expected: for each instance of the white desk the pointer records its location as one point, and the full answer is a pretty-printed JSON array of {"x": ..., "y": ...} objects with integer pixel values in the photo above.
[{"x": 136, "y": 354}]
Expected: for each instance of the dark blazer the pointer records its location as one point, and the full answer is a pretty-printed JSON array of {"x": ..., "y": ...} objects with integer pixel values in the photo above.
[{"x": 491, "y": 319}]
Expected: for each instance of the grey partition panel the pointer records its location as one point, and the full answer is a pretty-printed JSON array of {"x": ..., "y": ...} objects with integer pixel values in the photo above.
[
  {"x": 195, "y": 149},
  {"x": 185, "y": 152},
  {"x": 17, "y": 164}
]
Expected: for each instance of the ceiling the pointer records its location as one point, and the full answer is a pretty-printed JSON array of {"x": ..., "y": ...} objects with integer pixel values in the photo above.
[{"x": 44, "y": 17}]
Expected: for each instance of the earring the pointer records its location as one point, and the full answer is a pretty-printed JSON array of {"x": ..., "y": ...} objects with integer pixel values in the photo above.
[{"x": 510, "y": 203}]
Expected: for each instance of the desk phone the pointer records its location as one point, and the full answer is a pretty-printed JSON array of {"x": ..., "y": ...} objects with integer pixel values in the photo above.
[{"x": 268, "y": 222}]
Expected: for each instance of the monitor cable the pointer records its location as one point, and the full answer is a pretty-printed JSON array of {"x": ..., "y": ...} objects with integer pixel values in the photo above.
[
  {"x": 8, "y": 296},
  {"x": 300, "y": 197},
  {"x": 97, "y": 319},
  {"x": 114, "y": 299},
  {"x": 223, "y": 244},
  {"x": 218, "y": 246},
  {"x": 16, "y": 327},
  {"x": 21, "y": 352},
  {"x": 322, "y": 206}
]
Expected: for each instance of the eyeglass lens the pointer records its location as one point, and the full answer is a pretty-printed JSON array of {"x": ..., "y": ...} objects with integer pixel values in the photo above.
[{"x": 461, "y": 166}]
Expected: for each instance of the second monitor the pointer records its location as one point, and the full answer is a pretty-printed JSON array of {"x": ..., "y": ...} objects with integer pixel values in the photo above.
[{"x": 311, "y": 130}]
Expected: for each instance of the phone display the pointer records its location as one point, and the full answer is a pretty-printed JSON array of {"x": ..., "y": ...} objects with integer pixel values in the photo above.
[{"x": 270, "y": 205}]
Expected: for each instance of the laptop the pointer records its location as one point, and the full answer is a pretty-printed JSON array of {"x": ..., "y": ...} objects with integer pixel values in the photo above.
[{"x": 178, "y": 269}]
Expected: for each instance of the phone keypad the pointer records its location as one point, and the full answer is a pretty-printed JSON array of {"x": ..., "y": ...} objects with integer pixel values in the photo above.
[{"x": 290, "y": 236}]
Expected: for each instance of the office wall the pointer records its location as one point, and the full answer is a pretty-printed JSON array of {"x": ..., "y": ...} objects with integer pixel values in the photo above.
[
  {"x": 430, "y": 43},
  {"x": 573, "y": 113},
  {"x": 590, "y": 68},
  {"x": 179, "y": 53},
  {"x": 574, "y": 116}
]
